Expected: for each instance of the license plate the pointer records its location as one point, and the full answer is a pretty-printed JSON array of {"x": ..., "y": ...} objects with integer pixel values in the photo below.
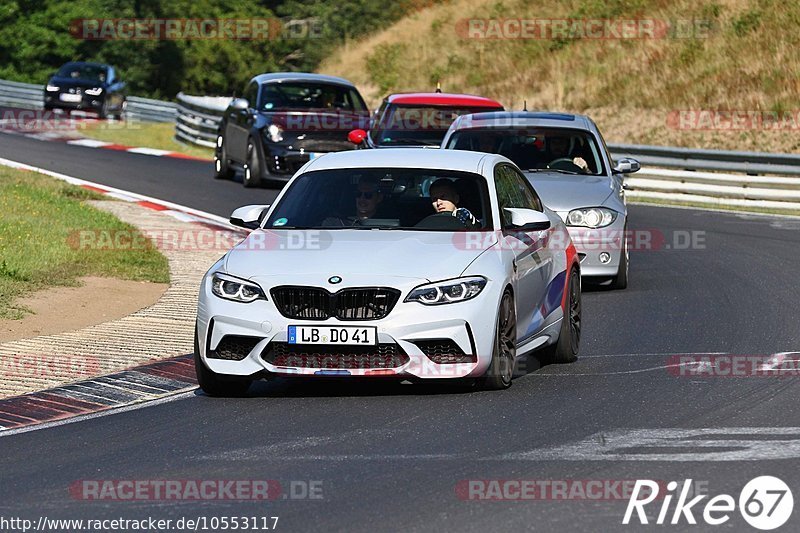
[
  {"x": 349, "y": 335},
  {"x": 70, "y": 97},
  {"x": 313, "y": 155}
]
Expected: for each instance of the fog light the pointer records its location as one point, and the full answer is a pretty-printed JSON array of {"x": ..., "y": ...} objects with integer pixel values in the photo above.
[{"x": 605, "y": 257}]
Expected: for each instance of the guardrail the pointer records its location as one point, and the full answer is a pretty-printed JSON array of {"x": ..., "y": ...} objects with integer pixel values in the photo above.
[
  {"x": 29, "y": 96},
  {"x": 753, "y": 163},
  {"x": 198, "y": 118}
]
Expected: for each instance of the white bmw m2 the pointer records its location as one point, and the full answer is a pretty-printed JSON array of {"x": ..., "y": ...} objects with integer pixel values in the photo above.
[{"x": 409, "y": 263}]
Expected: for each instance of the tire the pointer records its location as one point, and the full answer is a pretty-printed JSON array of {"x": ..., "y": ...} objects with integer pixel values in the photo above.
[
  {"x": 569, "y": 336},
  {"x": 223, "y": 170},
  {"x": 102, "y": 113},
  {"x": 120, "y": 114},
  {"x": 620, "y": 281},
  {"x": 252, "y": 169},
  {"x": 213, "y": 384},
  {"x": 504, "y": 352}
]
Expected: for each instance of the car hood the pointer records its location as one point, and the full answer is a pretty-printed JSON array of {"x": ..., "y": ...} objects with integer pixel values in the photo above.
[
  {"x": 563, "y": 192},
  {"x": 320, "y": 254}
]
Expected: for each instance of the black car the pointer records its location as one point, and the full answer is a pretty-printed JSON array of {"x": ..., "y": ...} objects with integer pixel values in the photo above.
[
  {"x": 283, "y": 120},
  {"x": 86, "y": 86}
]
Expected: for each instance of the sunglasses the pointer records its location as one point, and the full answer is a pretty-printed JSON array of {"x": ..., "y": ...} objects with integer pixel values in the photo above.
[{"x": 367, "y": 195}]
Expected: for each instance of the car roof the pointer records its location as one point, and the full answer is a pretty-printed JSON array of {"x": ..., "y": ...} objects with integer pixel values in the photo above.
[
  {"x": 458, "y": 160},
  {"x": 513, "y": 119},
  {"x": 278, "y": 77},
  {"x": 442, "y": 99}
]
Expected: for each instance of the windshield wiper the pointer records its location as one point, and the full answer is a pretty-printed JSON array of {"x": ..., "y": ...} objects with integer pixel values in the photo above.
[
  {"x": 560, "y": 171},
  {"x": 411, "y": 141}
]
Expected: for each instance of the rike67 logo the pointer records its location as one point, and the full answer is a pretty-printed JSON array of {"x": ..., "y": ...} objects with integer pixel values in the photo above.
[{"x": 765, "y": 503}]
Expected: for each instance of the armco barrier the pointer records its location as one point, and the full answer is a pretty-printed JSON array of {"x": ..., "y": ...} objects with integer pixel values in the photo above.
[
  {"x": 198, "y": 118},
  {"x": 30, "y": 96}
]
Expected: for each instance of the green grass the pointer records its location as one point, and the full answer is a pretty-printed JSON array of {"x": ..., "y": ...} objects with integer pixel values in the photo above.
[
  {"x": 40, "y": 219},
  {"x": 159, "y": 135}
]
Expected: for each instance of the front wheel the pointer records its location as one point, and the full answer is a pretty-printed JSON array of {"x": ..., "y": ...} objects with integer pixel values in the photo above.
[
  {"x": 212, "y": 383},
  {"x": 252, "y": 170},
  {"x": 569, "y": 336},
  {"x": 504, "y": 352},
  {"x": 103, "y": 111},
  {"x": 222, "y": 167}
]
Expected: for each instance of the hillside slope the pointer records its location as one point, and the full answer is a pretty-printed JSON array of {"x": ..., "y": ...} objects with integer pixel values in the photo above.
[{"x": 702, "y": 57}]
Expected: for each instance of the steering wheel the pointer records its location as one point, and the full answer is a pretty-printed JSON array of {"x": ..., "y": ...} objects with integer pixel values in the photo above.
[
  {"x": 443, "y": 221},
  {"x": 564, "y": 163}
]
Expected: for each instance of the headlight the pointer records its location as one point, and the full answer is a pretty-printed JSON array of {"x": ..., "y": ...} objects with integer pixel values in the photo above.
[
  {"x": 275, "y": 133},
  {"x": 593, "y": 217},
  {"x": 52, "y": 88},
  {"x": 450, "y": 291},
  {"x": 97, "y": 91},
  {"x": 238, "y": 290}
]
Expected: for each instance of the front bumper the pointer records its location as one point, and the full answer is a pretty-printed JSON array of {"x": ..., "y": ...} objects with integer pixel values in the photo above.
[
  {"x": 466, "y": 324},
  {"x": 592, "y": 243},
  {"x": 91, "y": 103},
  {"x": 284, "y": 161}
]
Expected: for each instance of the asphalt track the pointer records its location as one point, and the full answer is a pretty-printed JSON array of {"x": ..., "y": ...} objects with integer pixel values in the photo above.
[{"x": 391, "y": 457}]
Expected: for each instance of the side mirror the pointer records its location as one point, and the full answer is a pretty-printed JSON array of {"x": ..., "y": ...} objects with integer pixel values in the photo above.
[
  {"x": 249, "y": 216},
  {"x": 240, "y": 104},
  {"x": 627, "y": 165},
  {"x": 523, "y": 219},
  {"x": 357, "y": 137}
]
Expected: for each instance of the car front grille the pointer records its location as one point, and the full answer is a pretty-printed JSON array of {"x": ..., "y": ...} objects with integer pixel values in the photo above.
[
  {"x": 385, "y": 355},
  {"x": 234, "y": 347},
  {"x": 314, "y": 303},
  {"x": 444, "y": 351}
]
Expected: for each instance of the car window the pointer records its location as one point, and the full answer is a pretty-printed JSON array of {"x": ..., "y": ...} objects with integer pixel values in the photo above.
[
  {"x": 78, "y": 71},
  {"x": 513, "y": 190},
  {"x": 309, "y": 95},
  {"x": 251, "y": 94},
  {"x": 375, "y": 198},
  {"x": 417, "y": 124},
  {"x": 530, "y": 197},
  {"x": 534, "y": 148}
]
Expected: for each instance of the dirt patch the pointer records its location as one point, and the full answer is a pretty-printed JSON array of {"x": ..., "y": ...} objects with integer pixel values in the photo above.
[{"x": 62, "y": 309}]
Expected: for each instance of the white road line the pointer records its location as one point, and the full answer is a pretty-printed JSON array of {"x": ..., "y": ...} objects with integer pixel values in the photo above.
[
  {"x": 91, "y": 143},
  {"x": 148, "y": 151},
  {"x": 139, "y": 197},
  {"x": 651, "y": 354}
]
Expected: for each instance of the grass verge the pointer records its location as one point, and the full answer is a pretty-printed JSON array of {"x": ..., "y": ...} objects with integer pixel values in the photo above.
[
  {"x": 159, "y": 135},
  {"x": 39, "y": 219}
]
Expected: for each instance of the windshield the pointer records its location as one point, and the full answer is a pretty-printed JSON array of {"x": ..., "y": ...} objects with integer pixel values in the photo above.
[
  {"x": 79, "y": 71},
  {"x": 390, "y": 199},
  {"x": 301, "y": 96},
  {"x": 562, "y": 149},
  {"x": 418, "y": 125}
]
